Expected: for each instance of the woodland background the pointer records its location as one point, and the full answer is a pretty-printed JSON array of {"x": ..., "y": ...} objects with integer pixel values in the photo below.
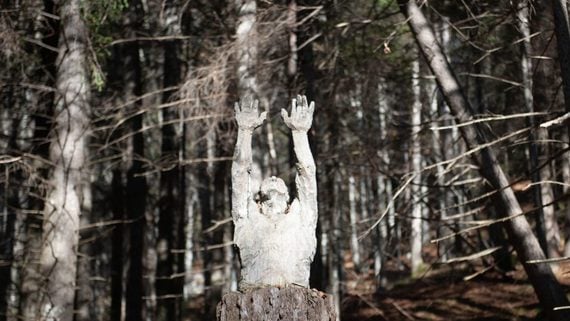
[{"x": 117, "y": 135}]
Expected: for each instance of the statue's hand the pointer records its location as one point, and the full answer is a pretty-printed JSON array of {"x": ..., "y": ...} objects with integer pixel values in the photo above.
[
  {"x": 301, "y": 114},
  {"x": 247, "y": 116}
]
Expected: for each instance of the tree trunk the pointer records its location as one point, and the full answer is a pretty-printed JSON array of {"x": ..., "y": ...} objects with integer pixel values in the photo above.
[
  {"x": 562, "y": 30},
  {"x": 336, "y": 257},
  {"x": 169, "y": 290},
  {"x": 354, "y": 245},
  {"x": 213, "y": 257},
  {"x": 416, "y": 164},
  {"x": 10, "y": 217},
  {"x": 136, "y": 194},
  {"x": 85, "y": 296},
  {"x": 68, "y": 153},
  {"x": 117, "y": 260},
  {"x": 293, "y": 56},
  {"x": 545, "y": 216},
  {"x": 246, "y": 47},
  {"x": 548, "y": 291},
  {"x": 291, "y": 303}
]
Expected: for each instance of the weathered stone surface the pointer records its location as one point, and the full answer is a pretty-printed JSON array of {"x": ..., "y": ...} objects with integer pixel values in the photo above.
[{"x": 277, "y": 304}]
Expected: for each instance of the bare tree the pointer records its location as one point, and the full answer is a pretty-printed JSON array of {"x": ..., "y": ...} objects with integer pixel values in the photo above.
[
  {"x": 547, "y": 227},
  {"x": 416, "y": 237},
  {"x": 68, "y": 154},
  {"x": 540, "y": 275}
]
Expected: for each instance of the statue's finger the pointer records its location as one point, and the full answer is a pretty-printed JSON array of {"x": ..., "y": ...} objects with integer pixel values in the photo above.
[
  {"x": 263, "y": 116},
  {"x": 305, "y": 104},
  {"x": 312, "y": 107},
  {"x": 293, "y": 106},
  {"x": 255, "y": 104}
]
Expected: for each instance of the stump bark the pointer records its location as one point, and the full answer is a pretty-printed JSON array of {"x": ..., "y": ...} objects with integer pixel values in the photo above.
[{"x": 272, "y": 304}]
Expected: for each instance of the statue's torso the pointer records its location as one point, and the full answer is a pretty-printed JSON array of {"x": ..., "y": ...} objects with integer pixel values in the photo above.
[{"x": 275, "y": 252}]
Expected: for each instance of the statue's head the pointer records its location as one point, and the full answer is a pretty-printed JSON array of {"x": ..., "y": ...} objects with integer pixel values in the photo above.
[{"x": 274, "y": 196}]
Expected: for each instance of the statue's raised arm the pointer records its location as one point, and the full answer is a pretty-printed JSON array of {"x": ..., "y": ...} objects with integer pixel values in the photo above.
[
  {"x": 300, "y": 122},
  {"x": 248, "y": 119},
  {"x": 276, "y": 238}
]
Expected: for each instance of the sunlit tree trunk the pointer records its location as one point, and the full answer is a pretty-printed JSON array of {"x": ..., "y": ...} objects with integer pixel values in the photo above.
[
  {"x": 68, "y": 153},
  {"x": 416, "y": 163},
  {"x": 541, "y": 277},
  {"x": 247, "y": 83}
]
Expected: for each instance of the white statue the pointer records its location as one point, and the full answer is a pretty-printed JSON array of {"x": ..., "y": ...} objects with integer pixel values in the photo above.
[{"x": 276, "y": 238}]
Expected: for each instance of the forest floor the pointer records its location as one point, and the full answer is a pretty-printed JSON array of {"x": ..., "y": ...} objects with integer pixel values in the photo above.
[
  {"x": 443, "y": 294},
  {"x": 467, "y": 291}
]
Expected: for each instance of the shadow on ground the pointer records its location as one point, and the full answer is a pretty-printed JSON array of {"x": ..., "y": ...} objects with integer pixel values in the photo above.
[{"x": 446, "y": 296}]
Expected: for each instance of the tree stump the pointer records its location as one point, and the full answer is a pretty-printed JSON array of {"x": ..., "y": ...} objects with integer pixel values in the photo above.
[{"x": 273, "y": 304}]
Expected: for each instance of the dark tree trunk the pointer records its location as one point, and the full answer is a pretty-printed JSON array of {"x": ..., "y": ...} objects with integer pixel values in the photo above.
[
  {"x": 136, "y": 191},
  {"x": 562, "y": 29},
  {"x": 548, "y": 291},
  {"x": 29, "y": 275},
  {"x": 169, "y": 289},
  {"x": 136, "y": 194},
  {"x": 291, "y": 303},
  {"x": 210, "y": 258},
  {"x": 117, "y": 261},
  {"x": 10, "y": 207}
]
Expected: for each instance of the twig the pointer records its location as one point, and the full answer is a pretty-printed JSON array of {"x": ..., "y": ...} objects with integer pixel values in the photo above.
[
  {"x": 402, "y": 311},
  {"x": 473, "y": 256},
  {"x": 552, "y": 260},
  {"x": 217, "y": 224},
  {"x": 490, "y": 118},
  {"x": 4, "y": 159},
  {"x": 555, "y": 121}
]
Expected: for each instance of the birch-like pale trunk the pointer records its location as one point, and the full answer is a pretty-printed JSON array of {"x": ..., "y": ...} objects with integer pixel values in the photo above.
[
  {"x": 336, "y": 258},
  {"x": 386, "y": 184},
  {"x": 354, "y": 246},
  {"x": 246, "y": 56},
  {"x": 68, "y": 153},
  {"x": 292, "y": 32},
  {"x": 246, "y": 47},
  {"x": 416, "y": 163},
  {"x": 547, "y": 289}
]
